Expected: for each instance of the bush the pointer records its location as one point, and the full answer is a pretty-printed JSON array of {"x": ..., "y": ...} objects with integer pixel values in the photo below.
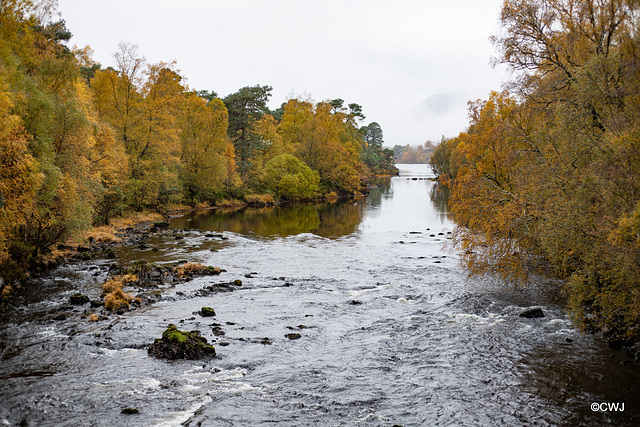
[{"x": 290, "y": 178}]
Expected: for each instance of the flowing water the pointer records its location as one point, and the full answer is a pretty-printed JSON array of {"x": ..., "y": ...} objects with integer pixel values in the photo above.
[{"x": 392, "y": 331}]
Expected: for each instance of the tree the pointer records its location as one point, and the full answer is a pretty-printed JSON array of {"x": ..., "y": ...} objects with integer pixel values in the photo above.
[
  {"x": 372, "y": 134},
  {"x": 549, "y": 175},
  {"x": 327, "y": 142},
  {"x": 290, "y": 178},
  {"x": 204, "y": 139},
  {"x": 246, "y": 107}
]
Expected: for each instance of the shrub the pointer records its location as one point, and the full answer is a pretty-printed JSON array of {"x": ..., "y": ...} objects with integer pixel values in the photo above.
[{"x": 290, "y": 178}]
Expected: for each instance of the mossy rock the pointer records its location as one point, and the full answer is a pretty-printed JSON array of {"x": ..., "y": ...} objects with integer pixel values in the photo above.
[
  {"x": 78, "y": 299},
  {"x": 177, "y": 344},
  {"x": 207, "y": 312}
]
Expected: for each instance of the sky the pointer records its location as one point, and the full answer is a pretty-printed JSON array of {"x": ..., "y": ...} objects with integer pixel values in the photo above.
[{"x": 411, "y": 64}]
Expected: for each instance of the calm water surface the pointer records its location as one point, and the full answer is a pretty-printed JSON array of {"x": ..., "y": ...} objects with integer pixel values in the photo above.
[{"x": 392, "y": 331}]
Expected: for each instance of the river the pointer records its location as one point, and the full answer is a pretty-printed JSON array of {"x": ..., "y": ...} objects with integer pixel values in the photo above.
[{"x": 392, "y": 331}]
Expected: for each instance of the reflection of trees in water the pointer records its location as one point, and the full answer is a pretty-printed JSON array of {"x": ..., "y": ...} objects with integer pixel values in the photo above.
[
  {"x": 440, "y": 198},
  {"x": 324, "y": 220},
  {"x": 381, "y": 187},
  {"x": 340, "y": 219}
]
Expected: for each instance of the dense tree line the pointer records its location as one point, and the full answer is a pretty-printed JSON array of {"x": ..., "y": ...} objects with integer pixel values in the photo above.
[
  {"x": 80, "y": 144},
  {"x": 548, "y": 173},
  {"x": 417, "y": 155}
]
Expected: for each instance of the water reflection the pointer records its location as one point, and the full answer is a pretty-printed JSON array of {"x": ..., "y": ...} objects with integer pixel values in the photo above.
[
  {"x": 328, "y": 220},
  {"x": 391, "y": 203},
  {"x": 440, "y": 198},
  {"x": 381, "y": 188}
]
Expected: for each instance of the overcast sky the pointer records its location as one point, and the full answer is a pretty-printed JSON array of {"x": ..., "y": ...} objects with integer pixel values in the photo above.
[{"x": 411, "y": 64}]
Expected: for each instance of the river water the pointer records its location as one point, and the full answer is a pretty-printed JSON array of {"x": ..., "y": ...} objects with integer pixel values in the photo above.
[{"x": 393, "y": 332}]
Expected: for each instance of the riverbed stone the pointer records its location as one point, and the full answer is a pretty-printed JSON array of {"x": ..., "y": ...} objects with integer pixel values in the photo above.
[
  {"x": 176, "y": 344},
  {"x": 532, "y": 313},
  {"x": 207, "y": 312},
  {"x": 293, "y": 336},
  {"x": 78, "y": 299}
]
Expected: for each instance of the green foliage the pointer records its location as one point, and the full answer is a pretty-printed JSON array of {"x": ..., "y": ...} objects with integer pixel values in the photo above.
[
  {"x": 246, "y": 107},
  {"x": 441, "y": 159},
  {"x": 380, "y": 161},
  {"x": 290, "y": 178}
]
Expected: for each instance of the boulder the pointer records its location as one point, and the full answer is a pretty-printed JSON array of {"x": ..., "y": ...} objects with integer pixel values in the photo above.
[
  {"x": 293, "y": 336},
  {"x": 207, "y": 312},
  {"x": 78, "y": 299},
  {"x": 532, "y": 313},
  {"x": 176, "y": 344}
]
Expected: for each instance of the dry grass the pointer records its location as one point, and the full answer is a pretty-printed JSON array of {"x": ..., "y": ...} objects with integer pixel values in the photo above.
[
  {"x": 118, "y": 299},
  {"x": 102, "y": 234},
  {"x": 260, "y": 199},
  {"x": 202, "y": 205},
  {"x": 135, "y": 218},
  {"x": 117, "y": 282},
  {"x": 188, "y": 268},
  {"x": 175, "y": 207},
  {"x": 128, "y": 279},
  {"x": 231, "y": 204},
  {"x": 111, "y": 285}
]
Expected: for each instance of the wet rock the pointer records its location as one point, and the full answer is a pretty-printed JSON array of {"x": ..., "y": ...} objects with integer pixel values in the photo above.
[
  {"x": 217, "y": 331},
  {"x": 355, "y": 302},
  {"x": 161, "y": 224},
  {"x": 130, "y": 411},
  {"x": 78, "y": 299},
  {"x": 207, "y": 312},
  {"x": 265, "y": 341},
  {"x": 176, "y": 344},
  {"x": 83, "y": 249},
  {"x": 83, "y": 256},
  {"x": 61, "y": 316},
  {"x": 293, "y": 336},
  {"x": 532, "y": 313}
]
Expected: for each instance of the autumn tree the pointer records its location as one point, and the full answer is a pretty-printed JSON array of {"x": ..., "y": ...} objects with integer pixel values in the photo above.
[
  {"x": 548, "y": 175},
  {"x": 204, "y": 140},
  {"x": 326, "y": 141}
]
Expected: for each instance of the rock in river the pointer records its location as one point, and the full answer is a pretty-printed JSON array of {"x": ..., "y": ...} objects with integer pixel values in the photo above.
[
  {"x": 207, "y": 312},
  {"x": 78, "y": 299},
  {"x": 532, "y": 313},
  {"x": 176, "y": 344}
]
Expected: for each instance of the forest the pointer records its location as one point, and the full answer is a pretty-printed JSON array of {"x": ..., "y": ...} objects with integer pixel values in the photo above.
[
  {"x": 415, "y": 155},
  {"x": 81, "y": 144},
  {"x": 547, "y": 176}
]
